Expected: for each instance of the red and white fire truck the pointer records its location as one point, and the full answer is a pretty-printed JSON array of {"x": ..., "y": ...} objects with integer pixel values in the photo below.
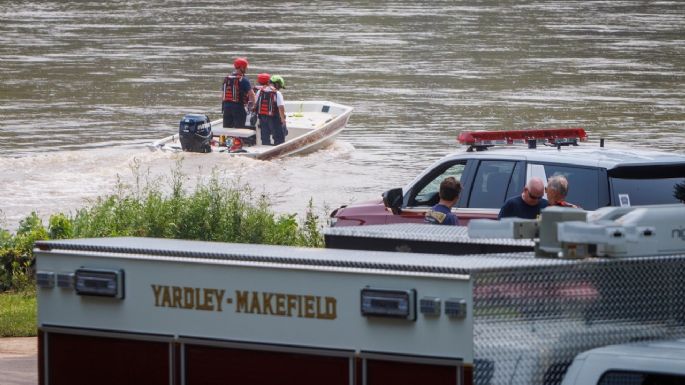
[{"x": 153, "y": 311}]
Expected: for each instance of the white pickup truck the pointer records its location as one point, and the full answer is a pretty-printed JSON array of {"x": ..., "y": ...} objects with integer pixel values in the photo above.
[{"x": 640, "y": 363}]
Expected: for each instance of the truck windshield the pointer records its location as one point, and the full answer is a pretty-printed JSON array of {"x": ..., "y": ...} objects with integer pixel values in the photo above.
[{"x": 636, "y": 192}]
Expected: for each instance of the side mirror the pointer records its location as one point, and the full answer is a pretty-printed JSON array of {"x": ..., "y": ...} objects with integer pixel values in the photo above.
[{"x": 392, "y": 199}]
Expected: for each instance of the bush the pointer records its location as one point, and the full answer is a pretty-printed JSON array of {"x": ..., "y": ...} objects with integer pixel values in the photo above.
[
  {"x": 16, "y": 254},
  {"x": 215, "y": 211},
  {"x": 60, "y": 227}
]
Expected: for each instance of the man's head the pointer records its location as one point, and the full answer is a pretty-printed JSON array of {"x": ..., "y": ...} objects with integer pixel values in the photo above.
[
  {"x": 450, "y": 188},
  {"x": 263, "y": 78},
  {"x": 277, "y": 81},
  {"x": 240, "y": 64},
  {"x": 534, "y": 191},
  {"x": 557, "y": 188}
]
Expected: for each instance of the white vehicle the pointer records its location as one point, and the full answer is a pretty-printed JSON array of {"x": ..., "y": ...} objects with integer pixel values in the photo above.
[
  {"x": 640, "y": 363},
  {"x": 311, "y": 125},
  {"x": 496, "y": 165}
]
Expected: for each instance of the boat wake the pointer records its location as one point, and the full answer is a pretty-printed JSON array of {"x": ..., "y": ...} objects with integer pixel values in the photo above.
[{"x": 66, "y": 181}]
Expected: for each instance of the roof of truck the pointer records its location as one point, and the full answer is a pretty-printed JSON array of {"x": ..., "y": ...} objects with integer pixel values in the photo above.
[
  {"x": 298, "y": 257},
  {"x": 294, "y": 257},
  {"x": 559, "y": 145},
  {"x": 661, "y": 350},
  {"x": 581, "y": 155}
]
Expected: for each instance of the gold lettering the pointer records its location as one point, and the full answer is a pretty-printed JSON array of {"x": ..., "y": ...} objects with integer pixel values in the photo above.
[
  {"x": 254, "y": 307},
  {"x": 253, "y": 302},
  {"x": 299, "y": 306},
  {"x": 196, "y": 298},
  {"x": 266, "y": 302},
  {"x": 241, "y": 301},
  {"x": 309, "y": 306},
  {"x": 206, "y": 303},
  {"x": 331, "y": 309},
  {"x": 177, "y": 296},
  {"x": 157, "y": 289},
  {"x": 292, "y": 303},
  {"x": 219, "y": 295},
  {"x": 166, "y": 297},
  {"x": 318, "y": 306},
  {"x": 280, "y": 304},
  {"x": 189, "y": 298}
]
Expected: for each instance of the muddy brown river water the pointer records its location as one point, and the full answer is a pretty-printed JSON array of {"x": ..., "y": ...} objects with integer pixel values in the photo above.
[{"x": 85, "y": 85}]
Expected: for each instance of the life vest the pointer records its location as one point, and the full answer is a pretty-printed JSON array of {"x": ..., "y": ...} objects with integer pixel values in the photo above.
[
  {"x": 266, "y": 103},
  {"x": 232, "y": 91}
]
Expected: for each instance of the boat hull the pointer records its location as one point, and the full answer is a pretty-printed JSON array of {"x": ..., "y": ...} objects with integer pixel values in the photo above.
[{"x": 312, "y": 125}]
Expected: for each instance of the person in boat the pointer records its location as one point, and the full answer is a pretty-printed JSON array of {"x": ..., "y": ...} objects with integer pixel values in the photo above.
[
  {"x": 237, "y": 94},
  {"x": 270, "y": 108},
  {"x": 528, "y": 204},
  {"x": 262, "y": 81},
  {"x": 441, "y": 213},
  {"x": 557, "y": 189}
]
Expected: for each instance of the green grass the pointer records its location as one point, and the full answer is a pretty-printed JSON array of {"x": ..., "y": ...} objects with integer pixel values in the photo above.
[{"x": 18, "y": 314}]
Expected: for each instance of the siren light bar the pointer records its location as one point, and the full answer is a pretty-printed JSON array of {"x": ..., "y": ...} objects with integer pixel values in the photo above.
[{"x": 552, "y": 136}]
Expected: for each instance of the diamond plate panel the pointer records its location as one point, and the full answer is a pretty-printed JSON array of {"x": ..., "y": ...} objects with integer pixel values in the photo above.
[{"x": 530, "y": 322}]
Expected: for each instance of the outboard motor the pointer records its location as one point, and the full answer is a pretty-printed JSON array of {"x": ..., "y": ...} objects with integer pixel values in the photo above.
[{"x": 195, "y": 133}]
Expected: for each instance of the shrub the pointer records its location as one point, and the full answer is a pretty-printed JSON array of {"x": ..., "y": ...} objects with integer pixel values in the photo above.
[
  {"x": 214, "y": 211},
  {"x": 60, "y": 227},
  {"x": 16, "y": 254}
]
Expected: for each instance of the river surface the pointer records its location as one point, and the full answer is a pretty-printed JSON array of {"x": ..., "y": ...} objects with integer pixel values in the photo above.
[{"x": 85, "y": 85}]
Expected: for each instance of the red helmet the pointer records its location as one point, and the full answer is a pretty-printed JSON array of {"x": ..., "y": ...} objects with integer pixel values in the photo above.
[
  {"x": 263, "y": 78},
  {"x": 240, "y": 62}
]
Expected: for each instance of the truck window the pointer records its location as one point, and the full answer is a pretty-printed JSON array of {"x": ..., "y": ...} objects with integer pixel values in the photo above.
[
  {"x": 491, "y": 183},
  {"x": 583, "y": 184},
  {"x": 635, "y": 378},
  {"x": 428, "y": 195},
  {"x": 645, "y": 191}
]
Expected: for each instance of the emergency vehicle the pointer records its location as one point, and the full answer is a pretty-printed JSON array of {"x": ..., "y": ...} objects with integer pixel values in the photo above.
[
  {"x": 496, "y": 165},
  {"x": 155, "y": 311}
]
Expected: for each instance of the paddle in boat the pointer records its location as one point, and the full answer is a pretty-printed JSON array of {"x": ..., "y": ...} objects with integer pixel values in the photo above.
[{"x": 312, "y": 125}]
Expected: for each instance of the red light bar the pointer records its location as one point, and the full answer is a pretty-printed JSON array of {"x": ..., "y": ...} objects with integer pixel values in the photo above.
[{"x": 548, "y": 135}]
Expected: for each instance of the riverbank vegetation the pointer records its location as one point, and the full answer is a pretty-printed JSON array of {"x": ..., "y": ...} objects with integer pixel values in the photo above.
[{"x": 213, "y": 211}]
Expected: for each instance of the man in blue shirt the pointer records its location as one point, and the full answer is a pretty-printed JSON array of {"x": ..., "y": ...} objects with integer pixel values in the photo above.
[
  {"x": 441, "y": 213},
  {"x": 528, "y": 204}
]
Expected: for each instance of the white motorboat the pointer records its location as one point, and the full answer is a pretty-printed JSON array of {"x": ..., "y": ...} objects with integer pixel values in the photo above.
[{"x": 311, "y": 126}]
